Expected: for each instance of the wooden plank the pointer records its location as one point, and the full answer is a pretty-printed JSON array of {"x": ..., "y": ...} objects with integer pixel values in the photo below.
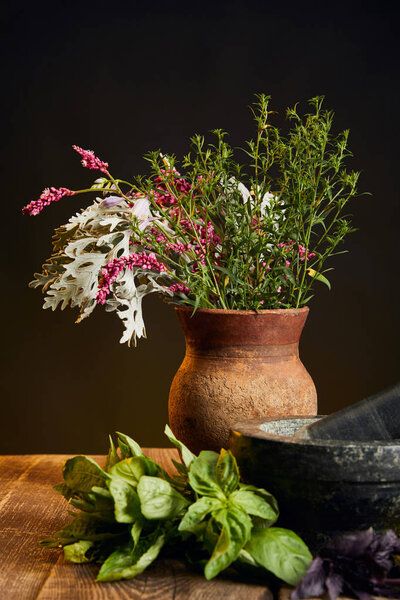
[
  {"x": 30, "y": 510},
  {"x": 284, "y": 594},
  {"x": 166, "y": 579}
]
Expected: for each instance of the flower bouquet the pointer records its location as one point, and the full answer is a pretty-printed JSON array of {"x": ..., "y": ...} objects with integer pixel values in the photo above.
[{"x": 211, "y": 232}]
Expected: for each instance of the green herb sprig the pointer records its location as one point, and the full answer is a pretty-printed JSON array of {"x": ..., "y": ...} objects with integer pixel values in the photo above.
[{"x": 128, "y": 511}]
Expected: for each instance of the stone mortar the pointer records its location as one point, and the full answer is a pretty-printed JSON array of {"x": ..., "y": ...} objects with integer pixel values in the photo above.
[{"x": 324, "y": 488}]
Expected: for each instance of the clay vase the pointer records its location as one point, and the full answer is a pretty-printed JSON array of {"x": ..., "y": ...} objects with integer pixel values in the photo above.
[{"x": 239, "y": 364}]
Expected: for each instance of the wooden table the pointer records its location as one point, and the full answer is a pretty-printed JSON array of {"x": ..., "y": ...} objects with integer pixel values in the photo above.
[{"x": 31, "y": 510}]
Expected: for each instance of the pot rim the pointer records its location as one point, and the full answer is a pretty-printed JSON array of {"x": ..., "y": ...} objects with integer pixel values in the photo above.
[{"x": 263, "y": 311}]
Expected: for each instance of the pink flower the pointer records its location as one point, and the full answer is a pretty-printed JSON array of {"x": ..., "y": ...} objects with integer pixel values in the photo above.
[
  {"x": 179, "y": 287},
  {"x": 48, "y": 196},
  {"x": 162, "y": 195},
  {"x": 110, "y": 272},
  {"x": 90, "y": 160},
  {"x": 289, "y": 246}
]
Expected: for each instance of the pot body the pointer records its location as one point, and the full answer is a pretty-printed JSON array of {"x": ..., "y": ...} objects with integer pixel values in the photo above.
[{"x": 238, "y": 365}]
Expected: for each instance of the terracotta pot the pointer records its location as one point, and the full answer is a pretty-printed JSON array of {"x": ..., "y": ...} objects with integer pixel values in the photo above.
[{"x": 239, "y": 364}]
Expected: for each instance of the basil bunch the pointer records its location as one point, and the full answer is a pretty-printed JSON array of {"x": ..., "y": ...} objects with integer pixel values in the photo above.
[{"x": 132, "y": 508}]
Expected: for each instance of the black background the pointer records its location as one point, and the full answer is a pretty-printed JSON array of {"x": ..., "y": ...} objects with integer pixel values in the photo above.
[{"x": 123, "y": 78}]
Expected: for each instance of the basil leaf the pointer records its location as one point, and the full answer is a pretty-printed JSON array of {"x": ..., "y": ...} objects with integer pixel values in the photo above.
[
  {"x": 82, "y": 473},
  {"x": 130, "y": 469},
  {"x": 124, "y": 450},
  {"x": 57, "y": 541},
  {"x": 158, "y": 499},
  {"x": 124, "y": 564},
  {"x": 256, "y": 502},
  {"x": 246, "y": 558},
  {"x": 280, "y": 551},
  {"x": 126, "y": 501},
  {"x": 182, "y": 469},
  {"x": 133, "y": 446},
  {"x": 76, "y": 553},
  {"x": 227, "y": 472},
  {"x": 90, "y": 527},
  {"x": 152, "y": 468},
  {"x": 101, "y": 499},
  {"x": 80, "y": 500},
  {"x": 236, "y": 528},
  {"x": 112, "y": 457},
  {"x": 203, "y": 477},
  {"x": 136, "y": 531},
  {"x": 197, "y": 511},
  {"x": 187, "y": 456}
]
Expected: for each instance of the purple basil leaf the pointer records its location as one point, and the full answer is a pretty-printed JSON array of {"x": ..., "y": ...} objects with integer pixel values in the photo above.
[
  {"x": 356, "y": 564},
  {"x": 313, "y": 583},
  {"x": 387, "y": 544},
  {"x": 334, "y": 584}
]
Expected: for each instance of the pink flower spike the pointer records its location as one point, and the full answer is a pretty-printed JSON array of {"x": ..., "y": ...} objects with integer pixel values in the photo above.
[
  {"x": 48, "y": 196},
  {"x": 179, "y": 287},
  {"x": 90, "y": 160},
  {"x": 110, "y": 272}
]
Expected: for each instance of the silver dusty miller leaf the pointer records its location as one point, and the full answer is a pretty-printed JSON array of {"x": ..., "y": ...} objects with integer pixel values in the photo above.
[{"x": 82, "y": 248}]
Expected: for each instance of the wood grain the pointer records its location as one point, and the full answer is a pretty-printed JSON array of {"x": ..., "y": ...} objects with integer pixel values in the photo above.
[
  {"x": 165, "y": 580},
  {"x": 284, "y": 594},
  {"x": 31, "y": 510}
]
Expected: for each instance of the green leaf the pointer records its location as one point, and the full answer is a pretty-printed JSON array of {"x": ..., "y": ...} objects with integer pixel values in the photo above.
[
  {"x": 197, "y": 511},
  {"x": 159, "y": 500},
  {"x": 182, "y": 469},
  {"x": 81, "y": 473},
  {"x": 114, "y": 566},
  {"x": 132, "y": 445},
  {"x": 130, "y": 469},
  {"x": 319, "y": 277},
  {"x": 64, "y": 490},
  {"x": 92, "y": 527},
  {"x": 227, "y": 472},
  {"x": 236, "y": 528},
  {"x": 152, "y": 468},
  {"x": 101, "y": 498},
  {"x": 246, "y": 558},
  {"x": 112, "y": 457},
  {"x": 57, "y": 541},
  {"x": 280, "y": 551},
  {"x": 123, "y": 564},
  {"x": 257, "y": 502},
  {"x": 203, "y": 476},
  {"x": 126, "y": 501},
  {"x": 136, "y": 531},
  {"x": 187, "y": 455},
  {"x": 76, "y": 553},
  {"x": 124, "y": 449},
  {"x": 288, "y": 273}
]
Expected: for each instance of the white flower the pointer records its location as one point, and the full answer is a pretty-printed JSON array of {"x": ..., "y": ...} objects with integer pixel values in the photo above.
[
  {"x": 268, "y": 201},
  {"x": 142, "y": 212}
]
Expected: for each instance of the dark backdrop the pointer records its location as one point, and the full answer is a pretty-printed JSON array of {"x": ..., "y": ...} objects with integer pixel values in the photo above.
[{"x": 126, "y": 77}]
